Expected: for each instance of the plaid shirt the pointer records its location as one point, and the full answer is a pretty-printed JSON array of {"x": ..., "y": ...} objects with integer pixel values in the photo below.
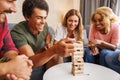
[{"x": 6, "y": 42}]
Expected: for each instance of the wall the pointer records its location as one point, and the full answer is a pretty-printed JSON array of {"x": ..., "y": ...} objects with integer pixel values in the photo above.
[{"x": 57, "y": 10}]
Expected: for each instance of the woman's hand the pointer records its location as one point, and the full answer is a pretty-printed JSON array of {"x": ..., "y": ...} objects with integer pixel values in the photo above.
[
  {"x": 93, "y": 48},
  {"x": 119, "y": 57}
]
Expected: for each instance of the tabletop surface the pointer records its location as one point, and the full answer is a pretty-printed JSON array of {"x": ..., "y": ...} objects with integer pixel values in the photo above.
[{"x": 91, "y": 72}]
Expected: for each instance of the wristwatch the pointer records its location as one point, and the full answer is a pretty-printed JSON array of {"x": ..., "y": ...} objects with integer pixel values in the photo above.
[{"x": 4, "y": 59}]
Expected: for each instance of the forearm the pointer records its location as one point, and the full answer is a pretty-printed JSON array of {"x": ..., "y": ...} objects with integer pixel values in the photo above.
[
  {"x": 3, "y": 68},
  {"x": 4, "y": 65},
  {"x": 52, "y": 62},
  {"x": 108, "y": 45},
  {"x": 11, "y": 54},
  {"x": 42, "y": 58}
]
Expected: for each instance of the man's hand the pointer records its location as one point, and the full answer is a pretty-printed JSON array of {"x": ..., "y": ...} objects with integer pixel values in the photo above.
[
  {"x": 48, "y": 45},
  {"x": 12, "y": 77},
  {"x": 64, "y": 47},
  {"x": 20, "y": 67}
]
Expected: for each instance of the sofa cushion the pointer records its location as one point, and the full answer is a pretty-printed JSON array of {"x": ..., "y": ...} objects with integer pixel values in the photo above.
[{"x": 85, "y": 38}]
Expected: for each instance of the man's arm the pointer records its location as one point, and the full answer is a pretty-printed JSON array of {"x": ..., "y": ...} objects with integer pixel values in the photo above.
[
  {"x": 11, "y": 54},
  {"x": 62, "y": 48},
  {"x": 39, "y": 59},
  {"x": 20, "y": 66},
  {"x": 54, "y": 60},
  {"x": 3, "y": 70},
  {"x": 48, "y": 41},
  {"x": 9, "y": 48}
]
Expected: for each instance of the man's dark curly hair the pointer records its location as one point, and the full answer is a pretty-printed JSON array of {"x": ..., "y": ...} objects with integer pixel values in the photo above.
[{"x": 29, "y": 5}]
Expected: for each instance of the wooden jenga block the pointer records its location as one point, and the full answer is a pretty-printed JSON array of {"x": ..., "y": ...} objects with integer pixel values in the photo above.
[
  {"x": 78, "y": 67},
  {"x": 75, "y": 55},
  {"x": 77, "y": 71},
  {"x": 77, "y": 59}
]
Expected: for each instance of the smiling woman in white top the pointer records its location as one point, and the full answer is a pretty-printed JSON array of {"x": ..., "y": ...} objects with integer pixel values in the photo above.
[{"x": 71, "y": 27}]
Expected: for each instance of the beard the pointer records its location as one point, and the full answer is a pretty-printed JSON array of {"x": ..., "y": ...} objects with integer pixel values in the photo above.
[{"x": 6, "y": 11}]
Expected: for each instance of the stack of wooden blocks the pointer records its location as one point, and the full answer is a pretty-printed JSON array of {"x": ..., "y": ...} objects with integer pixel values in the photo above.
[{"x": 77, "y": 59}]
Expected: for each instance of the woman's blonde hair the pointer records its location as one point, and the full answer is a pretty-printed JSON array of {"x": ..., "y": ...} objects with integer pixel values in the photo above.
[
  {"x": 105, "y": 12},
  {"x": 79, "y": 28}
]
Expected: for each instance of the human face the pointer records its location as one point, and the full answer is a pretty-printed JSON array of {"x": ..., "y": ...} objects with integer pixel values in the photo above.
[
  {"x": 37, "y": 20},
  {"x": 7, "y": 6},
  {"x": 101, "y": 23},
  {"x": 72, "y": 22}
]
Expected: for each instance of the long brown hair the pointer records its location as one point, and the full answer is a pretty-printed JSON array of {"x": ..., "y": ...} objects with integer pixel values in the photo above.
[{"x": 79, "y": 28}]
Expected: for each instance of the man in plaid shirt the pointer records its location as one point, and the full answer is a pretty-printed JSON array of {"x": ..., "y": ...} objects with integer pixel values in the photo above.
[{"x": 12, "y": 66}]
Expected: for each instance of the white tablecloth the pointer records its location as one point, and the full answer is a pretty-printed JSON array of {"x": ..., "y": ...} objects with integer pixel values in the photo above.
[{"x": 91, "y": 72}]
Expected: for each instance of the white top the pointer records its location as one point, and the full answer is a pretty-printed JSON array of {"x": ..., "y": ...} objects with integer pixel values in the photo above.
[
  {"x": 61, "y": 32},
  {"x": 91, "y": 72}
]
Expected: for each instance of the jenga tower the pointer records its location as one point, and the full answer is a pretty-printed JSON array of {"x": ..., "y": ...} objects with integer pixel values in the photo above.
[{"x": 77, "y": 59}]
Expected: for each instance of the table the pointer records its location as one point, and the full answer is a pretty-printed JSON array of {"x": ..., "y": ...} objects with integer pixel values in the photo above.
[{"x": 91, "y": 72}]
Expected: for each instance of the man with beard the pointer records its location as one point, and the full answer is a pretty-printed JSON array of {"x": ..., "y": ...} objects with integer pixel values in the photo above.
[{"x": 12, "y": 66}]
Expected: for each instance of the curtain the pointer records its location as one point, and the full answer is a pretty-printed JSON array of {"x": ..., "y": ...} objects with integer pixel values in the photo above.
[
  {"x": 110, "y": 3},
  {"x": 87, "y": 7}
]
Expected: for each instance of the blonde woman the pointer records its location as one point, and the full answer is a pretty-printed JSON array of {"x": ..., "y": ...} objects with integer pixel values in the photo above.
[
  {"x": 71, "y": 27},
  {"x": 104, "y": 35}
]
